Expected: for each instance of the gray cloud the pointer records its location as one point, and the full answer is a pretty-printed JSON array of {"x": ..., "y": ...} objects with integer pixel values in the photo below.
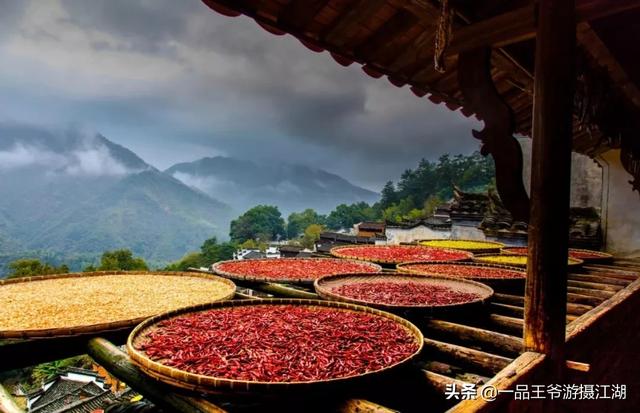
[{"x": 163, "y": 76}]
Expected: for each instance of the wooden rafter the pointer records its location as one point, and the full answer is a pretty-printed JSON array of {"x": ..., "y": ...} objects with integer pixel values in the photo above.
[
  {"x": 518, "y": 25},
  {"x": 592, "y": 43}
]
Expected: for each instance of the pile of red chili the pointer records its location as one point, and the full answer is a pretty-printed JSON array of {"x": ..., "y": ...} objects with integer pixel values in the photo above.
[
  {"x": 299, "y": 268},
  {"x": 279, "y": 343},
  {"x": 464, "y": 271},
  {"x": 400, "y": 253},
  {"x": 573, "y": 253},
  {"x": 404, "y": 293}
]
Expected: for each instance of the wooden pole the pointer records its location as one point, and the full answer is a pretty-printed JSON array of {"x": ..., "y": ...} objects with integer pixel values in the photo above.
[
  {"x": 118, "y": 363},
  {"x": 554, "y": 84}
]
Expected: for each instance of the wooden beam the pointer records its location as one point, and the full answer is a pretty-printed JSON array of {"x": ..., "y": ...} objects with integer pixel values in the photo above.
[
  {"x": 441, "y": 382},
  {"x": 517, "y": 372},
  {"x": 602, "y": 279},
  {"x": 477, "y": 336},
  {"x": 480, "y": 361},
  {"x": 362, "y": 406},
  {"x": 520, "y": 24},
  {"x": 546, "y": 290},
  {"x": 599, "y": 294},
  {"x": 118, "y": 363},
  {"x": 590, "y": 41}
]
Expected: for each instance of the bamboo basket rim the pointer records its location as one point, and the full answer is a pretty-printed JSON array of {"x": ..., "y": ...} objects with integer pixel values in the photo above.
[
  {"x": 601, "y": 255},
  {"x": 571, "y": 262},
  {"x": 206, "y": 383},
  {"x": 335, "y": 253},
  {"x": 106, "y": 326},
  {"x": 492, "y": 245},
  {"x": 404, "y": 268},
  {"x": 324, "y": 292},
  {"x": 242, "y": 277}
]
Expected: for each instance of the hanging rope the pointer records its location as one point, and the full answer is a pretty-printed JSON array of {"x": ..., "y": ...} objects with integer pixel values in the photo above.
[{"x": 443, "y": 35}]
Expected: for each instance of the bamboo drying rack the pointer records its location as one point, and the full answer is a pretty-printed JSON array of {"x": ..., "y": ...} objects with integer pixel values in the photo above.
[{"x": 459, "y": 349}]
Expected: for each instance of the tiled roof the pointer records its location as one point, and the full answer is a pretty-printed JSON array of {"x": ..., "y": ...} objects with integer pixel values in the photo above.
[
  {"x": 61, "y": 387},
  {"x": 85, "y": 391}
]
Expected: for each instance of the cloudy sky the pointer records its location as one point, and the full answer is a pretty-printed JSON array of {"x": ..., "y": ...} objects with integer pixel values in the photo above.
[{"x": 174, "y": 81}]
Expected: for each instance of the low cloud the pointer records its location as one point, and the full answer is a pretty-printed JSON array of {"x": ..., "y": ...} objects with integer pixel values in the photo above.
[
  {"x": 161, "y": 74},
  {"x": 20, "y": 156},
  {"x": 87, "y": 161},
  {"x": 94, "y": 162}
]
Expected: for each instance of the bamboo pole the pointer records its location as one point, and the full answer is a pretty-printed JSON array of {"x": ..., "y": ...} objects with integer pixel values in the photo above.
[
  {"x": 477, "y": 336},
  {"x": 595, "y": 286},
  {"x": 602, "y": 279},
  {"x": 602, "y": 295},
  {"x": 362, "y": 406},
  {"x": 119, "y": 364},
  {"x": 279, "y": 289},
  {"x": 478, "y": 360},
  {"x": 441, "y": 382},
  {"x": 511, "y": 324},
  {"x": 7, "y": 404},
  {"x": 583, "y": 299}
]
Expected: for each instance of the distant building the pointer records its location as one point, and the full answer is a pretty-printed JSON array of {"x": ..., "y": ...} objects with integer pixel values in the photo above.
[
  {"x": 329, "y": 240},
  {"x": 290, "y": 251},
  {"x": 408, "y": 232},
  {"x": 77, "y": 390},
  {"x": 369, "y": 229},
  {"x": 255, "y": 253}
]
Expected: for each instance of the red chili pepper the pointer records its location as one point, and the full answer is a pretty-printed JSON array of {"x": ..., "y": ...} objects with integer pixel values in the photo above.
[
  {"x": 303, "y": 269},
  {"x": 403, "y": 293},
  {"x": 573, "y": 253},
  {"x": 400, "y": 253},
  {"x": 465, "y": 271},
  {"x": 279, "y": 343}
]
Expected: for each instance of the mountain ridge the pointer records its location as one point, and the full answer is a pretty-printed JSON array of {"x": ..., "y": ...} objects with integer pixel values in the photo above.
[{"x": 291, "y": 187}]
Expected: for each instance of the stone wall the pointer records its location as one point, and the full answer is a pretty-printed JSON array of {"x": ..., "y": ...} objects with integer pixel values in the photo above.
[
  {"x": 586, "y": 178},
  {"x": 621, "y": 208}
]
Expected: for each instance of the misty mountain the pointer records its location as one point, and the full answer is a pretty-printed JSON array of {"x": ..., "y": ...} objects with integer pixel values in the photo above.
[
  {"x": 75, "y": 193},
  {"x": 244, "y": 184}
]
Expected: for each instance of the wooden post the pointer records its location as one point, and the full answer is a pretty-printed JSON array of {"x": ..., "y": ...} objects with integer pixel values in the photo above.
[
  {"x": 118, "y": 363},
  {"x": 546, "y": 291}
]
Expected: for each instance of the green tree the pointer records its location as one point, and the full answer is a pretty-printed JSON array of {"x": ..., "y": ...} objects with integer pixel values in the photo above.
[
  {"x": 298, "y": 221},
  {"x": 311, "y": 235},
  {"x": 212, "y": 251},
  {"x": 263, "y": 222},
  {"x": 345, "y": 216},
  {"x": 190, "y": 260},
  {"x": 388, "y": 195},
  {"x": 121, "y": 260},
  {"x": 27, "y": 267},
  {"x": 431, "y": 204}
]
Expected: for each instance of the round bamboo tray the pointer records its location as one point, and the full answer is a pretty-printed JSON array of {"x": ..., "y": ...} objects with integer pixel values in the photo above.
[
  {"x": 324, "y": 286},
  {"x": 577, "y": 253},
  {"x": 480, "y": 247},
  {"x": 217, "y": 385},
  {"x": 337, "y": 252},
  {"x": 487, "y": 259},
  {"x": 217, "y": 268},
  {"x": 227, "y": 292},
  {"x": 406, "y": 267}
]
